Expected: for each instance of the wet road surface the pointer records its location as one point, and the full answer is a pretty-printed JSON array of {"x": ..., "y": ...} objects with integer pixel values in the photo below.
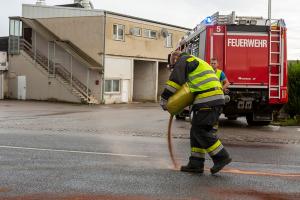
[{"x": 58, "y": 151}]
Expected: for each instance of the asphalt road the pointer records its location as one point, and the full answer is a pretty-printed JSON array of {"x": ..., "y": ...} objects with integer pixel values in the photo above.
[{"x": 52, "y": 161}]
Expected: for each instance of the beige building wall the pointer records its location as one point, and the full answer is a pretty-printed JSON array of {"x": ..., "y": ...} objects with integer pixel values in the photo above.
[
  {"x": 3, "y": 85},
  {"x": 163, "y": 76},
  {"x": 139, "y": 47},
  {"x": 145, "y": 80},
  {"x": 58, "y": 55},
  {"x": 86, "y": 32},
  {"x": 38, "y": 86}
]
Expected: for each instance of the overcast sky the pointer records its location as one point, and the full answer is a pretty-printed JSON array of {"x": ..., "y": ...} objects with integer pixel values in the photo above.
[{"x": 185, "y": 13}]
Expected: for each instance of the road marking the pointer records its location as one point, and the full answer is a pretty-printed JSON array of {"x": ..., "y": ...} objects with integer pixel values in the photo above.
[
  {"x": 298, "y": 129},
  {"x": 68, "y": 151},
  {"x": 258, "y": 173}
]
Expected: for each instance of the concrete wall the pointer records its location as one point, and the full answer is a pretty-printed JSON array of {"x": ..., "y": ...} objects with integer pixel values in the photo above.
[
  {"x": 3, "y": 84},
  {"x": 121, "y": 69},
  {"x": 145, "y": 80},
  {"x": 87, "y": 33},
  {"x": 79, "y": 70},
  {"x": 163, "y": 76},
  {"x": 139, "y": 47},
  {"x": 38, "y": 11},
  {"x": 39, "y": 87}
]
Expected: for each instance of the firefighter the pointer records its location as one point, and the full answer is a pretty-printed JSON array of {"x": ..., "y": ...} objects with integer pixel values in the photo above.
[
  {"x": 220, "y": 74},
  {"x": 207, "y": 106}
]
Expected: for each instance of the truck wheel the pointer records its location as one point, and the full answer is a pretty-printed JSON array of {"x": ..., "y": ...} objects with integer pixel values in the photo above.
[
  {"x": 178, "y": 117},
  {"x": 250, "y": 121},
  {"x": 232, "y": 118}
]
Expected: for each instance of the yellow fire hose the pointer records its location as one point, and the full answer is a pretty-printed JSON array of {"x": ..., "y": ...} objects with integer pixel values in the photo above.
[{"x": 170, "y": 145}]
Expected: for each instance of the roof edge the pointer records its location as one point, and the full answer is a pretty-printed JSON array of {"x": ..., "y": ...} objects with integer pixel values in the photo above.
[{"x": 112, "y": 13}]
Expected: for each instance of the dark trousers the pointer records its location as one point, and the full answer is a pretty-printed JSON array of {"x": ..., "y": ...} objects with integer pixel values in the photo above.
[{"x": 203, "y": 135}]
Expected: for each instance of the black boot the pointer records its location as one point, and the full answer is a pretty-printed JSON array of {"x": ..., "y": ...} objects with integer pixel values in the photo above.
[
  {"x": 220, "y": 161},
  {"x": 195, "y": 165}
]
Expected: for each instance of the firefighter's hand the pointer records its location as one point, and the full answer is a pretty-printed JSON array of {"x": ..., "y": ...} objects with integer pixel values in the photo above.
[
  {"x": 163, "y": 104},
  {"x": 226, "y": 91}
]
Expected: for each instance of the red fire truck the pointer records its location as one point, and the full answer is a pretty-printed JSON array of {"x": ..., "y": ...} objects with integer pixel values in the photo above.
[{"x": 252, "y": 53}]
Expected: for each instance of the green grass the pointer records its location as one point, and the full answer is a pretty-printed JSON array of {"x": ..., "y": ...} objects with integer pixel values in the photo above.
[{"x": 287, "y": 122}]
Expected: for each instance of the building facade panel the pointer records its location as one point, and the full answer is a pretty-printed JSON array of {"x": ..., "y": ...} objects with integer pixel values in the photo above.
[
  {"x": 145, "y": 80},
  {"x": 143, "y": 46},
  {"x": 38, "y": 86},
  {"x": 91, "y": 78},
  {"x": 87, "y": 33},
  {"x": 37, "y": 11},
  {"x": 118, "y": 69}
]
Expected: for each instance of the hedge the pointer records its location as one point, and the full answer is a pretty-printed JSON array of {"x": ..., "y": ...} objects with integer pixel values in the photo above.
[{"x": 293, "y": 106}]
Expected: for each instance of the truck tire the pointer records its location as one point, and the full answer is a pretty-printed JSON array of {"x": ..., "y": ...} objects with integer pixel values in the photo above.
[
  {"x": 232, "y": 118},
  {"x": 178, "y": 117},
  {"x": 250, "y": 121}
]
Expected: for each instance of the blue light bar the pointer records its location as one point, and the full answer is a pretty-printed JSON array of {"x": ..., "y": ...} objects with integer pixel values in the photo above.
[{"x": 208, "y": 20}]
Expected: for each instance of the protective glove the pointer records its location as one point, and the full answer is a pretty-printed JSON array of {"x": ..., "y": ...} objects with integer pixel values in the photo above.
[
  {"x": 163, "y": 104},
  {"x": 226, "y": 91}
]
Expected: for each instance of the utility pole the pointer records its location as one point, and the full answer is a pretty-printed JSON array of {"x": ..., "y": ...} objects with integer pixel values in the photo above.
[{"x": 269, "y": 9}]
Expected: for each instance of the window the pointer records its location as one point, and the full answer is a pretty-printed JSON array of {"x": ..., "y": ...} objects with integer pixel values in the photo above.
[
  {"x": 15, "y": 28},
  {"x": 118, "y": 32},
  {"x": 15, "y": 31},
  {"x": 112, "y": 86},
  {"x": 136, "y": 31},
  {"x": 168, "y": 41},
  {"x": 150, "y": 34}
]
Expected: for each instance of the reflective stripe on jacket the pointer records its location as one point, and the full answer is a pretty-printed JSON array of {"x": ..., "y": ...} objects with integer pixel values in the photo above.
[
  {"x": 204, "y": 82},
  {"x": 172, "y": 86}
]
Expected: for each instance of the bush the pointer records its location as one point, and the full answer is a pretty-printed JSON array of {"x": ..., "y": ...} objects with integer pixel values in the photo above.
[{"x": 293, "y": 106}]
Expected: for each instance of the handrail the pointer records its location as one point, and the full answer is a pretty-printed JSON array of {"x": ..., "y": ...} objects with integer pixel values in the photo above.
[
  {"x": 78, "y": 84},
  {"x": 57, "y": 69},
  {"x": 26, "y": 43}
]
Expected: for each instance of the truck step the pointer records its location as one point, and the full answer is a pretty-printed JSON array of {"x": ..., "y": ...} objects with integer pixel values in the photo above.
[
  {"x": 274, "y": 86},
  {"x": 275, "y": 52},
  {"x": 274, "y": 63},
  {"x": 274, "y": 75},
  {"x": 274, "y": 89},
  {"x": 275, "y": 35},
  {"x": 274, "y": 97}
]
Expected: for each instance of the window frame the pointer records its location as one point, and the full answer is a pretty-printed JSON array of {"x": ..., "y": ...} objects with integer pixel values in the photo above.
[
  {"x": 149, "y": 35},
  {"x": 171, "y": 41},
  {"x": 140, "y": 35},
  {"x": 15, "y": 27},
  {"x": 112, "y": 86},
  {"x": 115, "y": 36}
]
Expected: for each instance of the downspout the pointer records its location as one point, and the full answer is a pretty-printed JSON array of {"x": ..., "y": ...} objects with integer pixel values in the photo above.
[{"x": 103, "y": 60}]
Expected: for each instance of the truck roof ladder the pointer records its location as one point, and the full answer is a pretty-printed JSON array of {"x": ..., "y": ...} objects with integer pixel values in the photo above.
[{"x": 276, "y": 57}]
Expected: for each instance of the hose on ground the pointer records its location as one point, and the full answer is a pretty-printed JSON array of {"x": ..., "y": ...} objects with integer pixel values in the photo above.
[{"x": 170, "y": 145}]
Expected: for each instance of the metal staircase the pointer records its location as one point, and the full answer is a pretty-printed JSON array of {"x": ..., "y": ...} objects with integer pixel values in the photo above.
[
  {"x": 60, "y": 73},
  {"x": 275, "y": 62}
]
